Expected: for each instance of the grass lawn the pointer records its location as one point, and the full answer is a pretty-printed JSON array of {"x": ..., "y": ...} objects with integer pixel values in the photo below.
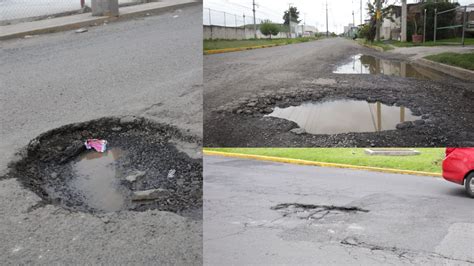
[
  {"x": 222, "y": 44},
  {"x": 428, "y": 161},
  {"x": 453, "y": 41},
  {"x": 460, "y": 60}
]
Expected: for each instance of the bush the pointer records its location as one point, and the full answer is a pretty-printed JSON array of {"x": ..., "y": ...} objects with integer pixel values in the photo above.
[{"x": 268, "y": 28}]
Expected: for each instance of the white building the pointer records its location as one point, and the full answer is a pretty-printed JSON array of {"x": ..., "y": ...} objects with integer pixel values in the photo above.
[{"x": 391, "y": 29}]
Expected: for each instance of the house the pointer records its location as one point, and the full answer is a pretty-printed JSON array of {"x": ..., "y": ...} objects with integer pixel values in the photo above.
[{"x": 391, "y": 28}]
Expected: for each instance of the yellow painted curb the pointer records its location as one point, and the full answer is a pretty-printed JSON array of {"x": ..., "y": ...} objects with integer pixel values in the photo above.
[
  {"x": 228, "y": 50},
  {"x": 321, "y": 164}
]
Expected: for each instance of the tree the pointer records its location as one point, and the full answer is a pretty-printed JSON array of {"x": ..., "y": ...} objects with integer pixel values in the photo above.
[
  {"x": 295, "y": 14},
  {"x": 269, "y": 28},
  {"x": 368, "y": 31}
]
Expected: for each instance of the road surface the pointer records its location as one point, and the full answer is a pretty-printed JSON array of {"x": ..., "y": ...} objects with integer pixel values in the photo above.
[
  {"x": 149, "y": 67},
  {"x": 304, "y": 72},
  {"x": 403, "y": 219}
]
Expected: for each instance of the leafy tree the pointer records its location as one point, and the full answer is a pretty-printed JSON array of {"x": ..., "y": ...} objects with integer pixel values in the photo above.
[
  {"x": 269, "y": 28},
  {"x": 295, "y": 14},
  {"x": 369, "y": 30}
]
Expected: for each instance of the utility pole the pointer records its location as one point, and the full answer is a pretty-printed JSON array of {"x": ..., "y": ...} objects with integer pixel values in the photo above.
[
  {"x": 304, "y": 25},
  {"x": 245, "y": 33},
  {"x": 403, "y": 36},
  {"x": 378, "y": 17},
  {"x": 361, "y": 12},
  {"x": 327, "y": 23},
  {"x": 353, "y": 19},
  {"x": 254, "y": 21},
  {"x": 289, "y": 17}
]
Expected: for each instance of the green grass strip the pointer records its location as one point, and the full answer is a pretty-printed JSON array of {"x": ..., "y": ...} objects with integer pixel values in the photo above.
[{"x": 429, "y": 160}]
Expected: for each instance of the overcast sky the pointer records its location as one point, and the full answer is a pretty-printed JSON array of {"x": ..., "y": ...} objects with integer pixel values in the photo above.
[{"x": 340, "y": 11}]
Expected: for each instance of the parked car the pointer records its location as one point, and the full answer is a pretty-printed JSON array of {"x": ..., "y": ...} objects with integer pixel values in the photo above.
[{"x": 458, "y": 167}]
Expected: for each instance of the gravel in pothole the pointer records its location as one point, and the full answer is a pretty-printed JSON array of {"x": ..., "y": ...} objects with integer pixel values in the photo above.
[
  {"x": 143, "y": 168},
  {"x": 314, "y": 212}
]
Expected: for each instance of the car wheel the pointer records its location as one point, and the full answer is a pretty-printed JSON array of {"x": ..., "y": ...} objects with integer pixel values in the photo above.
[{"x": 469, "y": 183}]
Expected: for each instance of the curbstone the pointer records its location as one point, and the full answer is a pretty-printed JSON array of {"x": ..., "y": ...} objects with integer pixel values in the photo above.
[
  {"x": 86, "y": 19},
  {"x": 454, "y": 71}
]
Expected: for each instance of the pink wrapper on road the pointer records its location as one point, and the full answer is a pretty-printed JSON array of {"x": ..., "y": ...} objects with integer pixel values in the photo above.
[{"x": 99, "y": 145}]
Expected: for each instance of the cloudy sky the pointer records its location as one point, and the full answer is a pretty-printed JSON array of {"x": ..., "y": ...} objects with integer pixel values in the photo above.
[{"x": 340, "y": 11}]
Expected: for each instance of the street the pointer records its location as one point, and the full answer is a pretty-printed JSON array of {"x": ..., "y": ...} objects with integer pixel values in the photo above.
[
  {"x": 147, "y": 67},
  {"x": 259, "y": 212},
  {"x": 243, "y": 87}
]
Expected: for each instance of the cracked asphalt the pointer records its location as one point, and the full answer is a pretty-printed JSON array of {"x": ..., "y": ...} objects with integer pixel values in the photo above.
[
  {"x": 149, "y": 66},
  {"x": 241, "y": 87},
  {"x": 258, "y": 212}
]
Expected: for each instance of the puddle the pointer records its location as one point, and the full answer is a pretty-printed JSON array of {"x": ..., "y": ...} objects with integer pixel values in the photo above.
[
  {"x": 344, "y": 116},
  {"x": 97, "y": 180},
  {"x": 366, "y": 64}
]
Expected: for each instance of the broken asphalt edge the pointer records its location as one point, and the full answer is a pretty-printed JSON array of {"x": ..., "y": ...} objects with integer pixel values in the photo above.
[
  {"x": 93, "y": 21},
  {"x": 320, "y": 164}
]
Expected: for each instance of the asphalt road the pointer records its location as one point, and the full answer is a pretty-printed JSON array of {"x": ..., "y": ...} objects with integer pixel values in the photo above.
[
  {"x": 304, "y": 72},
  {"x": 149, "y": 66},
  {"x": 410, "y": 219}
]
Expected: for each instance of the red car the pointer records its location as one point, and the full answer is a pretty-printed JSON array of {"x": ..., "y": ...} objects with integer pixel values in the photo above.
[{"x": 458, "y": 167}]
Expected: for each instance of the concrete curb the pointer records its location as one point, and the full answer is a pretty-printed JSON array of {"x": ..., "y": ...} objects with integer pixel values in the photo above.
[
  {"x": 237, "y": 49},
  {"x": 380, "y": 49},
  {"x": 454, "y": 71},
  {"x": 321, "y": 164},
  {"x": 84, "y": 20}
]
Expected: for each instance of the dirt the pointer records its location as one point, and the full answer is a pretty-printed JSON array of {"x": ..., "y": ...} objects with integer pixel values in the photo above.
[{"x": 48, "y": 165}]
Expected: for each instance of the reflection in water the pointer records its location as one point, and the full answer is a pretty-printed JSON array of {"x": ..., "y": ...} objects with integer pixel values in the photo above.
[
  {"x": 96, "y": 180},
  {"x": 366, "y": 64},
  {"x": 344, "y": 116}
]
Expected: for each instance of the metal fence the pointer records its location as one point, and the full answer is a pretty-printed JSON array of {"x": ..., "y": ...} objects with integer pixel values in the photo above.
[
  {"x": 213, "y": 17},
  {"x": 24, "y": 9},
  {"x": 459, "y": 24}
]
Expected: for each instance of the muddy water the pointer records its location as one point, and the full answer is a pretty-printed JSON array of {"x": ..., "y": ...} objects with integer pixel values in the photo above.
[
  {"x": 344, "y": 116},
  {"x": 97, "y": 180},
  {"x": 366, "y": 64}
]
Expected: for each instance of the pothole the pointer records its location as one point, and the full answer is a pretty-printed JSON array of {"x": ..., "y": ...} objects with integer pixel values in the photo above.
[
  {"x": 141, "y": 169},
  {"x": 367, "y": 64},
  {"x": 344, "y": 116},
  {"x": 314, "y": 212}
]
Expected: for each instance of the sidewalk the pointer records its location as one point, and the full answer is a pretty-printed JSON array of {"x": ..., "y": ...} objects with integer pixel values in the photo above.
[
  {"x": 418, "y": 53},
  {"x": 83, "y": 20}
]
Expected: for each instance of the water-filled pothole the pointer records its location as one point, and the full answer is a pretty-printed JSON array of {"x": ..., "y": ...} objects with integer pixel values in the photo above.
[
  {"x": 345, "y": 116},
  {"x": 98, "y": 181},
  {"x": 143, "y": 168},
  {"x": 367, "y": 64}
]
